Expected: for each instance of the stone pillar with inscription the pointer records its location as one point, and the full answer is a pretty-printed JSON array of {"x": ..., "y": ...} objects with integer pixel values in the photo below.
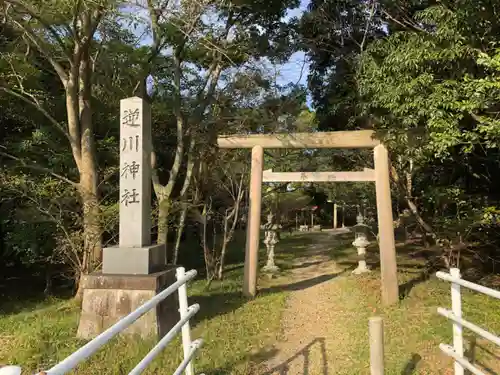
[
  {"x": 135, "y": 270},
  {"x": 135, "y": 254}
]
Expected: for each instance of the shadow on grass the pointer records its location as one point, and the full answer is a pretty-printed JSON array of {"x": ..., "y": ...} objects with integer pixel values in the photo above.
[
  {"x": 300, "y": 285},
  {"x": 422, "y": 266},
  {"x": 411, "y": 365},
  {"x": 416, "y": 250},
  {"x": 305, "y": 265},
  {"x": 300, "y": 239},
  {"x": 405, "y": 289},
  {"x": 472, "y": 354},
  {"x": 234, "y": 267},
  {"x": 13, "y": 306},
  {"x": 219, "y": 303},
  {"x": 215, "y": 304},
  {"x": 372, "y": 258},
  {"x": 303, "y": 245},
  {"x": 21, "y": 294},
  {"x": 423, "y": 273},
  {"x": 257, "y": 361},
  {"x": 253, "y": 359},
  {"x": 305, "y": 352}
]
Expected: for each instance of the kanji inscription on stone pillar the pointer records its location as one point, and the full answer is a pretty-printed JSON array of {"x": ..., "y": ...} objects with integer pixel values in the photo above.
[{"x": 135, "y": 173}]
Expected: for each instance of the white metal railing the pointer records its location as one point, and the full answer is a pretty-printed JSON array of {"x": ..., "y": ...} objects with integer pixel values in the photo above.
[
  {"x": 455, "y": 315},
  {"x": 182, "y": 326}
]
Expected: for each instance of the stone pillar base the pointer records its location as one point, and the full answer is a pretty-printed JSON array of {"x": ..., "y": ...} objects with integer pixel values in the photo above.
[
  {"x": 362, "y": 268},
  {"x": 270, "y": 268},
  {"x": 133, "y": 260},
  {"x": 109, "y": 298}
]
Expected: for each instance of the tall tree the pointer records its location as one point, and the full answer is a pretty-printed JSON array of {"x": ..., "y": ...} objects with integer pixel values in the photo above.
[
  {"x": 431, "y": 88},
  {"x": 197, "y": 48},
  {"x": 334, "y": 34},
  {"x": 63, "y": 33}
]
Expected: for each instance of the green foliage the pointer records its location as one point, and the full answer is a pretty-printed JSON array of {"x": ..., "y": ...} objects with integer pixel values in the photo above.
[
  {"x": 411, "y": 85},
  {"x": 211, "y": 68},
  {"x": 334, "y": 33},
  {"x": 425, "y": 77},
  {"x": 433, "y": 94}
]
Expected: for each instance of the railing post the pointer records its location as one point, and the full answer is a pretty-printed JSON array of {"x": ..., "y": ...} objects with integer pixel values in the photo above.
[
  {"x": 376, "y": 333},
  {"x": 183, "y": 310},
  {"x": 456, "y": 307}
]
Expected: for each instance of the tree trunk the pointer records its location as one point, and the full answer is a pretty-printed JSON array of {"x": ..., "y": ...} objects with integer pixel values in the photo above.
[
  {"x": 418, "y": 217},
  {"x": 91, "y": 223},
  {"x": 164, "y": 193},
  {"x": 80, "y": 127},
  {"x": 164, "y": 207},
  {"x": 228, "y": 236},
  {"x": 207, "y": 253},
  {"x": 187, "y": 182},
  {"x": 225, "y": 241},
  {"x": 79, "y": 287},
  {"x": 220, "y": 271},
  {"x": 180, "y": 230},
  {"x": 88, "y": 169},
  {"x": 48, "y": 280},
  {"x": 403, "y": 187}
]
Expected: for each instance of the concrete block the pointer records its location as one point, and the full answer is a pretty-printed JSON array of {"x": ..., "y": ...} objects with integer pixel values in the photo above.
[
  {"x": 121, "y": 305},
  {"x": 95, "y": 301},
  {"x": 133, "y": 260},
  {"x": 153, "y": 281},
  {"x": 89, "y": 324},
  {"x": 104, "y": 304}
]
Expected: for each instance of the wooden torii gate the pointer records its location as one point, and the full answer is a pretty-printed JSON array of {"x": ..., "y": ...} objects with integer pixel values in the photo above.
[{"x": 339, "y": 139}]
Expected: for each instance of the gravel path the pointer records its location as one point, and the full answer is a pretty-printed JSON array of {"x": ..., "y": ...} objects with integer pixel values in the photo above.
[{"x": 313, "y": 317}]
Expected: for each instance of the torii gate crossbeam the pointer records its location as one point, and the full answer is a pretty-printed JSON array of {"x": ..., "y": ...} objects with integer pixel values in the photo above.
[{"x": 365, "y": 176}]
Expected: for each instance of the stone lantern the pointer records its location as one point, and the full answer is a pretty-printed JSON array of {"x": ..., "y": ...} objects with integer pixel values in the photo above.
[
  {"x": 361, "y": 243},
  {"x": 270, "y": 240}
]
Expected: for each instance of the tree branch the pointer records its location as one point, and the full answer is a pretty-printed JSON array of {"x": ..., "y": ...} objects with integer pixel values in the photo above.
[
  {"x": 189, "y": 168},
  {"x": 405, "y": 24},
  {"x": 367, "y": 26},
  {"x": 37, "y": 42},
  {"x": 38, "y": 107},
  {"x": 213, "y": 78},
  {"x": 24, "y": 164},
  {"x": 97, "y": 17},
  {"x": 78, "y": 4},
  {"x": 45, "y": 25}
]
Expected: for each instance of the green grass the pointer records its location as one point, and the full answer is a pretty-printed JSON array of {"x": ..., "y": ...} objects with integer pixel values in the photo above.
[
  {"x": 413, "y": 329},
  {"x": 36, "y": 335},
  {"x": 237, "y": 332},
  {"x": 39, "y": 338}
]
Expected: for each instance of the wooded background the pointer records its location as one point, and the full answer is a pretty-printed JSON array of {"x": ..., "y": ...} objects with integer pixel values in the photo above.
[{"x": 423, "y": 74}]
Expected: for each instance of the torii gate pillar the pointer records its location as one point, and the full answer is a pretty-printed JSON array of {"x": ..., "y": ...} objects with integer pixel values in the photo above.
[
  {"x": 388, "y": 265},
  {"x": 253, "y": 230}
]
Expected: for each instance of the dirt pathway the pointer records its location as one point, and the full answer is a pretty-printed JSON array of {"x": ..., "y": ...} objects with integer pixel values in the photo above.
[{"x": 313, "y": 320}]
